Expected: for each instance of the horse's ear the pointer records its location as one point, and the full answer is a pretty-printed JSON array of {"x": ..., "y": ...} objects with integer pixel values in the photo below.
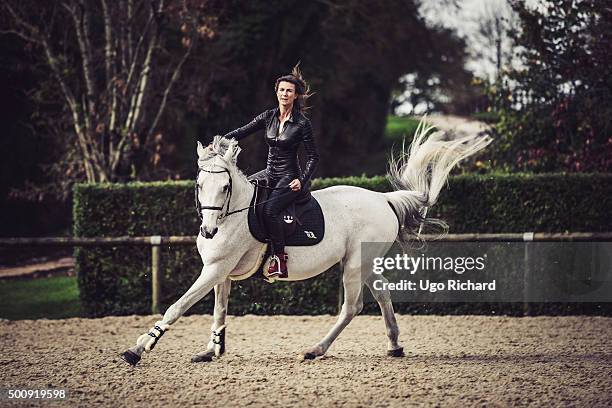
[
  {"x": 201, "y": 150},
  {"x": 231, "y": 155}
]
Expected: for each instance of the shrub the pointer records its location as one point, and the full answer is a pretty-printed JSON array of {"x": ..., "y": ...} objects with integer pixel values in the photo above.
[{"x": 117, "y": 281}]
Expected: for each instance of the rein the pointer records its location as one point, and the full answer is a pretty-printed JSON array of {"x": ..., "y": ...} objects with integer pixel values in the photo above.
[{"x": 228, "y": 196}]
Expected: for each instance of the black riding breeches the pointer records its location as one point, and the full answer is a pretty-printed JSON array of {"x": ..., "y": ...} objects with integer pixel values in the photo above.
[{"x": 279, "y": 199}]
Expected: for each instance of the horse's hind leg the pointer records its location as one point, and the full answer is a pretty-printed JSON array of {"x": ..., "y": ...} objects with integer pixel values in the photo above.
[
  {"x": 383, "y": 297},
  {"x": 216, "y": 345},
  {"x": 353, "y": 303}
]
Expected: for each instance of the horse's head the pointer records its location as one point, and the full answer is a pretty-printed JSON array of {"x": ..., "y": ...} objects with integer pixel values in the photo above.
[{"x": 214, "y": 182}]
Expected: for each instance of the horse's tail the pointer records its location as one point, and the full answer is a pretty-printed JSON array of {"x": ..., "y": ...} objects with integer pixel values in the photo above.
[{"x": 419, "y": 174}]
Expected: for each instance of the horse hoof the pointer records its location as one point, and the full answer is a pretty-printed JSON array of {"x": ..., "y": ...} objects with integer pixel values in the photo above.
[
  {"x": 202, "y": 358},
  {"x": 309, "y": 356},
  {"x": 396, "y": 353},
  {"x": 131, "y": 358}
]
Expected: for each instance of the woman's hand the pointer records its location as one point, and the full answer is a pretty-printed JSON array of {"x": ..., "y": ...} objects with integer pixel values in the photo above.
[{"x": 295, "y": 185}]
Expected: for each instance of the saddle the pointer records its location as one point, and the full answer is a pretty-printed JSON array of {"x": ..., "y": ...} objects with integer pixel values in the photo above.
[{"x": 303, "y": 224}]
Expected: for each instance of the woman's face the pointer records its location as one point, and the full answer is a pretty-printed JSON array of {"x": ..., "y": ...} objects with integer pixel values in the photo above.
[{"x": 286, "y": 94}]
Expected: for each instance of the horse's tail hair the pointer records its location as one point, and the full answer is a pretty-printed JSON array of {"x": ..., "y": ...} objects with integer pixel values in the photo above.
[{"x": 419, "y": 174}]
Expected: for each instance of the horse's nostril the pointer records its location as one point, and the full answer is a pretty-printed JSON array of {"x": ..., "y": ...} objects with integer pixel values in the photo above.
[{"x": 208, "y": 235}]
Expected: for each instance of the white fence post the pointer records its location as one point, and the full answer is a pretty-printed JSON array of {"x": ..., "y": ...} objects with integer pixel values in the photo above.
[{"x": 155, "y": 274}]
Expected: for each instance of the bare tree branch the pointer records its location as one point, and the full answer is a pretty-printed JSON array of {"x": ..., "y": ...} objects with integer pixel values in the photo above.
[
  {"x": 77, "y": 116},
  {"x": 136, "y": 52},
  {"x": 20, "y": 21},
  {"x": 175, "y": 76},
  {"x": 112, "y": 94},
  {"x": 108, "y": 42},
  {"x": 84, "y": 47},
  {"x": 37, "y": 37},
  {"x": 81, "y": 18},
  {"x": 143, "y": 84},
  {"x": 130, "y": 17},
  {"x": 136, "y": 102},
  {"x": 22, "y": 36},
  {"x": 145, "y": 74},
  {"x": 110, "y": 66}
]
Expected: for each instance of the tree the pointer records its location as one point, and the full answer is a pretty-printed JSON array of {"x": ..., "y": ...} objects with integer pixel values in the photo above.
[
  {"x": 492, "y": 40},
  {"x": 352, "y": 52},
  {"x": 440, "y": 82},
  {"x": 558, "y": 110},
  {"x": 113, "y": 64}
]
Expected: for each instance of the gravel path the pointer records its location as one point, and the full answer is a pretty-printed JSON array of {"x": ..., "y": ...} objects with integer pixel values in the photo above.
[
  {"x": 451, "y": 361},
  {"x": 44, "y": 267},
  {"x": 460, "y": 125}
]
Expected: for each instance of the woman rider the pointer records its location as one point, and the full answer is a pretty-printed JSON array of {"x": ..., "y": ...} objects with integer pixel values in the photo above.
[{"x": 285, "y": 128}]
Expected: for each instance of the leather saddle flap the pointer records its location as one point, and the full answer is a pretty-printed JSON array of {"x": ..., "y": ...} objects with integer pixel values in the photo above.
[{"x": 303, "y": 222}]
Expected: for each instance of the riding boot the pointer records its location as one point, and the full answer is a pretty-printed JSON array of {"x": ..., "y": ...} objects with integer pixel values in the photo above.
[{"x": 278, "y": 266}]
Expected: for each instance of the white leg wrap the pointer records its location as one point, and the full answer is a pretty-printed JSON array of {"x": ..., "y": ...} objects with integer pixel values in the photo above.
[
  {"x": 149, "y": 340},
  {"x": 218, "y": 339}
]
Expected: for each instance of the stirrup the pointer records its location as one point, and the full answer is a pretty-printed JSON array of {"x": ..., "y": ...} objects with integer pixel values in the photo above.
[
  {"x": 274, "y": 258},
  {"x": 273, "y": 269}
]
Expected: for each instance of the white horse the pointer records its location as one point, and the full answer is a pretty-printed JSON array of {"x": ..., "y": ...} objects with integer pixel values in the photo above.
[{"x": 352, "y": 215}]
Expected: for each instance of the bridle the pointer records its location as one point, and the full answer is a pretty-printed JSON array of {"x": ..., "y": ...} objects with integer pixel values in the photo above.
[{"x": 228, "y": 195}]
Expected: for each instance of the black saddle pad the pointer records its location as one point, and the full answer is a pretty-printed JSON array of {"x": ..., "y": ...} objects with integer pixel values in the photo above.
[{"x": 308, "y": 228}]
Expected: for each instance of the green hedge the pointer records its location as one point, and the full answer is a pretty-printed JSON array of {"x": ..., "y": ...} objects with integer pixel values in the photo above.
[
  {"x": 117, "y": 281},
  {"x": 527, "y": 202}
]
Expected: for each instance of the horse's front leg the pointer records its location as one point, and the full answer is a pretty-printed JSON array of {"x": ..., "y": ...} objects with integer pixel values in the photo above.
[
  {"x": 216, "y": 345},
  {"x": 213, "y": 274}
]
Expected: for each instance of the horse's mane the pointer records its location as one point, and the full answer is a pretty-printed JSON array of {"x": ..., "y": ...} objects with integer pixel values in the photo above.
[{"x": 218, "y": 148}]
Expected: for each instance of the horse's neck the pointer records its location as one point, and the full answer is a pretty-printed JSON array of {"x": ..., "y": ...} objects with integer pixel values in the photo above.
[{"x": 243, "y": 192}]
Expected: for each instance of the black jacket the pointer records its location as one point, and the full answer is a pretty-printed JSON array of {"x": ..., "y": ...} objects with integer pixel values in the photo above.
[{"x": 283, "y": 148}]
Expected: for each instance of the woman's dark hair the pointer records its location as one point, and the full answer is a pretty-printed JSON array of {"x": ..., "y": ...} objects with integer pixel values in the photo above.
[{"x": 302, "y": 89}]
